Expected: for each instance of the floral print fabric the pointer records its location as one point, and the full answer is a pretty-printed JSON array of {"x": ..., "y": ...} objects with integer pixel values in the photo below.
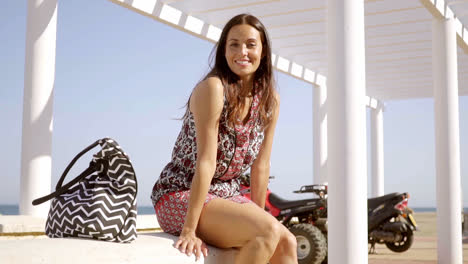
[
  {"x": 238, "y": 148},
  {"x": 172, "y": 208}
]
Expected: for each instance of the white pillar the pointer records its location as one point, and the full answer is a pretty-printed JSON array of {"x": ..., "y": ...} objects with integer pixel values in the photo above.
[
  {"x": 377, "y": 151},
  {"x": 444, "y": 72},
  {"x": 347, "y": 170},
  {"x": 319, "y": 115},
  {"x": 39, "y": 75}
]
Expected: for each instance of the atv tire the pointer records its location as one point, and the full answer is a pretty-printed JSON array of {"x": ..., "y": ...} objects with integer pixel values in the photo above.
[
  {"x": 404, "y": 244},
  {"x": 311, "y": 244}
]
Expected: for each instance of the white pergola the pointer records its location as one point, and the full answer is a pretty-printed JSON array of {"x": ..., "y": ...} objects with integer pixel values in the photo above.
[{"x": 355, "y": 54}]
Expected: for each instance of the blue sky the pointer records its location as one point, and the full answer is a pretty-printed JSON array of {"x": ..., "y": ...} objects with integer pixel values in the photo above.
[{"x": 123, "y": 75}]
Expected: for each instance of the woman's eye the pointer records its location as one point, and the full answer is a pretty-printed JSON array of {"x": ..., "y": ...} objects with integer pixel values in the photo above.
[
  {"x": 234, "y": 45},
  {"x": 252, "y": 45}
]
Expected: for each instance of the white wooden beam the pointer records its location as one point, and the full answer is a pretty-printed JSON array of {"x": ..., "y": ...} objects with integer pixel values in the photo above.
[
  {"x": 441, "y": 9},
  {"x": 156, "y": 10}
]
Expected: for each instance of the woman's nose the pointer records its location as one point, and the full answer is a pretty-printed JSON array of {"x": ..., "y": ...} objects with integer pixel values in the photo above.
[{"x": 244, "y": 50}]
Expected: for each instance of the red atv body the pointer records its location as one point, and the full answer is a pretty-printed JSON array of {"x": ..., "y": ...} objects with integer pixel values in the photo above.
[{"x": 306, "y": 219}]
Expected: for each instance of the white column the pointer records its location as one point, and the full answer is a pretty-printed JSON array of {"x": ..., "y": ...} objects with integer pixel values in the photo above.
[
  {"x": 347, "y": 170},
  {"x": 377, "y": 151},
  {"x": 39, "y": 75},
  {"x": 444, "y": 72},
  {"x": 319, "y": 115}
]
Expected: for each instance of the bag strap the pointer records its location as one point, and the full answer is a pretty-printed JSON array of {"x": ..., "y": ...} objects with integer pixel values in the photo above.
[
  {"x": 74, "y": 160},
  {"x": 59, "y": 189},
  {"x": 65, "y": 188}
]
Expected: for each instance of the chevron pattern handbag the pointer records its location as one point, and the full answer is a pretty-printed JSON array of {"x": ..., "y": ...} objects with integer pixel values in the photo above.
[{"x": 100, "y": 203}]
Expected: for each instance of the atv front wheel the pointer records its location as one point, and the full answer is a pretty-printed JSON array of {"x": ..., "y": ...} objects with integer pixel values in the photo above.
[
  {"x": 404, "y": 244},
  {"x": 311, "y": 244}
]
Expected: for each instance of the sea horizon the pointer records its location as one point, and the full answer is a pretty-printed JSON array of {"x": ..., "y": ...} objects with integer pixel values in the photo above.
[{"x": 13, "y": 209}]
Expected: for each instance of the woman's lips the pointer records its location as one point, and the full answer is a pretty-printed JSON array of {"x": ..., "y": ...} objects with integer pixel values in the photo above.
[{"x": 242, "y": 62}]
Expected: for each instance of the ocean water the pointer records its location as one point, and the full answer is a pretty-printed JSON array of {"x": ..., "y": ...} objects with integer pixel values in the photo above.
[{"x": 7, "y": 209}]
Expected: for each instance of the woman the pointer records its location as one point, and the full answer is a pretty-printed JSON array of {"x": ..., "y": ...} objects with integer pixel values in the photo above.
[{"x": 227, "y": 129}]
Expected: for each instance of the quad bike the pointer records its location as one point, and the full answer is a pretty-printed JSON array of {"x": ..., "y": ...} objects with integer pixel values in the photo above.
[
  {"x": 306, "y": 219},
  {"x": 390, "y": 220}
]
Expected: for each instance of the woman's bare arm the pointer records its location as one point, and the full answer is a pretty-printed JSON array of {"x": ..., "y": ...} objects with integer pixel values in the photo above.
[
  {"x": 260, "y": 171},
  {"x": 206, "y": 105}
]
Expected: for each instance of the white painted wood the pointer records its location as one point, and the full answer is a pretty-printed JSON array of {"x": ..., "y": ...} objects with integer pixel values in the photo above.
[
  {"x": 39, "y": 76},
  {"x": 449, "y": 236},
  {"x": 442, "y": 9},
  {"x": 319, "y": 115},
  {"x": 398, "y": 35},
  {"x": 377, "y": 151},
  {"x": 347, "y": 175}
]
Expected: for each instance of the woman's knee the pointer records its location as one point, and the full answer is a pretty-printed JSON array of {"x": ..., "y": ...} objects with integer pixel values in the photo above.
[
  {"x": 290, "y": 241},
  {"x": 270, "y": 234}
]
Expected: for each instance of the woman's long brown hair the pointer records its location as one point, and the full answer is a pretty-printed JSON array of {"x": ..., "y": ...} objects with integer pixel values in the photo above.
[{"x": 263, "y": 77}]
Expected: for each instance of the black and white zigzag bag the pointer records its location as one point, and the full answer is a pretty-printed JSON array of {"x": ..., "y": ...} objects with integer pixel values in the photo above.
[{"x": 100, "y": 203}]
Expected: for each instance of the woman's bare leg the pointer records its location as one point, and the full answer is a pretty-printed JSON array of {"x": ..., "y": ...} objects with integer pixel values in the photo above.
[
  {"x": 286, "y": 251},
  {"x": 257, "y": 234}
]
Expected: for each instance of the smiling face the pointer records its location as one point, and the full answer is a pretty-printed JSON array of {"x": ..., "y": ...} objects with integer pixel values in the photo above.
[{"x": 243, "y": 51}]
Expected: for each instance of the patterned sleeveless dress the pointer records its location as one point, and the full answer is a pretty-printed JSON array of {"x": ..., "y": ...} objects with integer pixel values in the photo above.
[{"x": 237, "y": 150}]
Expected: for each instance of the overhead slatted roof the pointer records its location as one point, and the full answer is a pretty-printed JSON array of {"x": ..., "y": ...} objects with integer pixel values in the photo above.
[{"x": 398, "y": 37}]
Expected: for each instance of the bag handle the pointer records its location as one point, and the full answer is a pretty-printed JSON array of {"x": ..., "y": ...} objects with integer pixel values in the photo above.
[
  {"x": 74, "y": 160},
  {"x": 59, "y": 189}
]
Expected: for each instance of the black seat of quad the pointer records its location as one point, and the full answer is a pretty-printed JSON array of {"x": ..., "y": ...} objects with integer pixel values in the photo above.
[
  {"x": 281, "y": 203},
  {"x": 372, "y": 203}
]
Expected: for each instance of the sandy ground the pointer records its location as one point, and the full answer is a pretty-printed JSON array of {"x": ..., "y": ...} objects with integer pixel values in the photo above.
[{"x": 424, "y": 248}]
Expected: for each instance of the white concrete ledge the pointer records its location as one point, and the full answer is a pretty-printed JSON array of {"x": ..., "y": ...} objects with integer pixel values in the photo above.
[
  {"x": 21, "y": 224},
  {"x": 20, "y": 243},
  {"x": 28, "y": 224},
  {"x": 148, "y": 248}
]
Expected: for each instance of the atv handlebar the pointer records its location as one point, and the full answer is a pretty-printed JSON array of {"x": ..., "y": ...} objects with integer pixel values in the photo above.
[{"x": 319, "y": 189}]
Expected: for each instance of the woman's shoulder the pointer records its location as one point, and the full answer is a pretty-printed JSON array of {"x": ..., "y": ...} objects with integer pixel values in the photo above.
[
  {"x": 213, "y": 84},
  {"x": 209, "y": 91}
]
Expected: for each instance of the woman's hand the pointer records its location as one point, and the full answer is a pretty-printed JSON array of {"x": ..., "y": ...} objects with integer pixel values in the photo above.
[{"x": 189, "y": 243}]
